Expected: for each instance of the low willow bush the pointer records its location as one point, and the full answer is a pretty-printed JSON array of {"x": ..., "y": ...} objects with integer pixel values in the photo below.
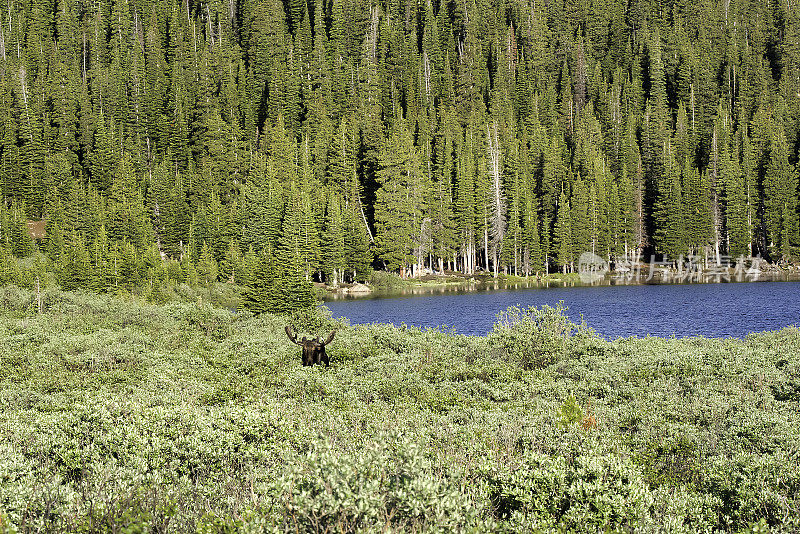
[
  {"x": 123, "y": 416},
  {"x": 592, "y": 491},
  {"x": 535, "y": 338},
  {"x": 389, "y": 483},
  {"x": 386, "y": 280}
]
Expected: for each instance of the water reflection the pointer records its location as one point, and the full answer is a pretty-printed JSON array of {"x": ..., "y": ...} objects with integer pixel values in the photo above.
[{"x": 473, "y": 286}]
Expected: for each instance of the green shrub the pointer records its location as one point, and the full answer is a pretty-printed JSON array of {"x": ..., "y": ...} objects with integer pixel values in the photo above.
[
  {"x": 532, "y": 338},
  {"x": 386, "y": 484},
  {"x": 673, "y": 460},
  {"x": 13, "y": 298},
  {"x": 185, "y": 417},
  {"x": 569, "y": 413},
  {"x": 386, "y": 280},
  {"x": 754, "y": 487},
  {"x": 594, "y": 492},
  {"x": 213, "y": 322}
]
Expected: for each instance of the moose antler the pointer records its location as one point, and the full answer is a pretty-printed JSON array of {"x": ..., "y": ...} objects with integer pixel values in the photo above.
[
  {"x": 292, "y": 336},
  {"x": 330, "y": 338}
]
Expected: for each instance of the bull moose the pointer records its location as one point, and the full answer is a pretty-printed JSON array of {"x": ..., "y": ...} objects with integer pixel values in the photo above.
[{"x": 313, "y": 349}]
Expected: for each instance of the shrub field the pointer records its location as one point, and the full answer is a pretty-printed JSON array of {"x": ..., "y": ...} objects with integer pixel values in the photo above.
[{"x": 121, "y": 416}]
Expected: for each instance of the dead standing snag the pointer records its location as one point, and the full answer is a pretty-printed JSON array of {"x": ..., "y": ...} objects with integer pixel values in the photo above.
[{"x": 313, "y": 349}]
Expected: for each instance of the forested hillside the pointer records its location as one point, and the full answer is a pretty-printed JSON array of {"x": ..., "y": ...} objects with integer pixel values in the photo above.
[{"x": 223, "y": 138}]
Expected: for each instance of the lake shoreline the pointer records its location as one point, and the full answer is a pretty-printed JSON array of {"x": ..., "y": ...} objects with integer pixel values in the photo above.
[{"x": 479, "y": 282}]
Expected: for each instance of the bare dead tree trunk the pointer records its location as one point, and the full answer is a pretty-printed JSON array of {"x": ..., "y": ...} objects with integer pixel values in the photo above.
[
  {"x": 2, "y": 43},
  {"x": 639, "y": 195},
  {"x": 426, "y": 73},
  {"x": 486, "y": 245},
  {"x": 38, "y": 296},
  {"x": 715, "y": 212}
]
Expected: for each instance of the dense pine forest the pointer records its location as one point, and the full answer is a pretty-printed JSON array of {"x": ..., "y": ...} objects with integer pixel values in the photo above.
[{"x": 203, "y": 141}]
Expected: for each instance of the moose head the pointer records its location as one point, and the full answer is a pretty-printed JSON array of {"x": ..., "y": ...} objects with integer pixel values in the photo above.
[{"x": 313, "y": 349}]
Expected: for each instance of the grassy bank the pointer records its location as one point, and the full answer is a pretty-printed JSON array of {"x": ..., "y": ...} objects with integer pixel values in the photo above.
[
  {"x": 117, "y": 414},
  {"x": 387, "y": 282},
  {"x": 390, "y": 282}
]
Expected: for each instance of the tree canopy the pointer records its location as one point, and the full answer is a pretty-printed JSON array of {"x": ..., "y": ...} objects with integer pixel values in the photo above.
[{"x": 335, "y": 137}]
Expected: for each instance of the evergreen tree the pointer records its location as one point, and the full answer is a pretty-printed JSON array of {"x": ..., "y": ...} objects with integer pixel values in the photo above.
[
  {"x": 358, "y": 253},
  {"x": 737, "y": 211},
  {"x": 246, "y": 274},
  {"x": 54, "y": 242},
  {"x": 230, "y": 268},
  {"x": 102, "y": 264},
  {"x": 299, "y": 241},
  {"x": 580, "y": 224},
  {"x": 9, "y": 270},
  {"x": 126, "y": 270},
  {"x": 207, "y": 269},
  {"x": 780, "y": 199},
  {"x": 532, "y": 257},
  {"x": 294, "y": 292},
  {"x": 126, "y": 218},
  {"x": 333, "y": 243},
  {"x": 260, "y": 294},
  {"x": 562, "y": 234},
  {"x": 20, "y": 240},
  {"x": 75, "y": 270},
  {"x": 263, "y": 207},
  {"x": 670, "y": 232},
  {"x": 699, "y": 223},
  {"x": 399, "y": 203}
]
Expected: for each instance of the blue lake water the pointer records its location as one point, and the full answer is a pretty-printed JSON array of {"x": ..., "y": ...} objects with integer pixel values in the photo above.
[{"x": 709, "y": 310}]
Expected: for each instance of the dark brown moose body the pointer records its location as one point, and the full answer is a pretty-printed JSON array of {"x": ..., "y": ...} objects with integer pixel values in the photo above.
[{"x": 313, "y": 349}]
